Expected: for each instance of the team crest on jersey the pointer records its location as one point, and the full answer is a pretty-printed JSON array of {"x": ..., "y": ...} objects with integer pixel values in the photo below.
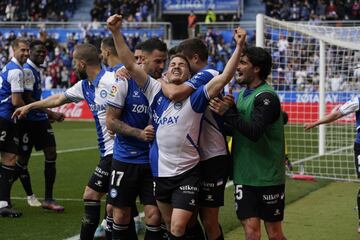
[
  {"x": 113, "y": 91},
  {"x": 178, "y": 105},
  {"x": 103, "y": 93},
  {"x": 113, "y": 193},
  {"x": 136, "y": 94}
]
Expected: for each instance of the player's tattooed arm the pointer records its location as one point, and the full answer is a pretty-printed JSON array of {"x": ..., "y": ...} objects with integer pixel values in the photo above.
[{"x": 115, "y": 125}]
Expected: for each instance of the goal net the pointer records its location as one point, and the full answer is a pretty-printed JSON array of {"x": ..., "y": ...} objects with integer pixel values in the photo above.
[{"x": 316, "y": 68}]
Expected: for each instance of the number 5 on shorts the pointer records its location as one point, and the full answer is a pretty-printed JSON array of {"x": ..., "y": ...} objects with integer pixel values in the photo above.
[
  {"x": 238, "y": 192},
  {"x": 116, "y": 176}
]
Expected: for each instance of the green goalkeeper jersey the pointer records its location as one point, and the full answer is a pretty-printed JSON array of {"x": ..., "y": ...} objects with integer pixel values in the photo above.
[{"x": 261, "y": 162}]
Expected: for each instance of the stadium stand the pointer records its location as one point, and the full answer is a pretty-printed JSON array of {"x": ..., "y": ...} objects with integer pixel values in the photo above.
[
  {"x": 37, "y": 10},
  {"x": 313, "y": 10},
  {"x": 132, "y": 10}
]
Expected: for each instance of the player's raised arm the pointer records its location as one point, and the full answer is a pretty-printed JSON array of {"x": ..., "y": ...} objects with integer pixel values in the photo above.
[
  {"x": 52, "y": 101},
  {"x": 114, "y": 24},
  {"x": 218, "y": 83}
]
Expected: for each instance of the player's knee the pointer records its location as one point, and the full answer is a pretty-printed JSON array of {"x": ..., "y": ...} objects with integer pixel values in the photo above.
[
  {"x": 276, "y": 236},
  {"x": 50, "y": 154},
  {"x": 177, "y": 228},
  {"x": 91, "y": 194},
  {"x": 209, "y": 222},
  {"x": 152, "y": 215},
  {"x": 252, "y": 234},
  {"x": 121, "y": 215},
  {"x": 8, "y": 159},
  {"x": 23, "y": 161}
]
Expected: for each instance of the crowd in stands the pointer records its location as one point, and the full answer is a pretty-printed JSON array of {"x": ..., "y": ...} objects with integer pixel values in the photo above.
[
  {"x": 132, "y": 10},
  {"x": 37, "y": 10},
  {"x": 57, "y": 71},
  {"x": 313, "y": 10},
  {"x": 296, "y": 63}
]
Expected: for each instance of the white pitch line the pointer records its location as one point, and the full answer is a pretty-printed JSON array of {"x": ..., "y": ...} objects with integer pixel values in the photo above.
[
  {"x": 68, "y": 150},
  {"x": 77, "y": 237}
]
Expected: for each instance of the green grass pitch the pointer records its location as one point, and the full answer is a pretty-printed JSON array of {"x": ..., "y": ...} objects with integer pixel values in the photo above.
[{"x": 73, "y": 171}]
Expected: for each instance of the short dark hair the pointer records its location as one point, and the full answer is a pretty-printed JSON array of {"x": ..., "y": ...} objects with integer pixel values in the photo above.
[
  {"x": 17, "y": 41},
  {"x": 192, "y": 46},
  {"x": 153, "y": 44},
  {"x": 172, "y": 51},
  {"x": 259, "y": 57},
  {"x": 180, "y": 56},
  {"x": 108, "y": 42},
  {"x": 138, "y": 46},
  {"x": 36, "y": 43},
  {"x": 88, "y": 53}
]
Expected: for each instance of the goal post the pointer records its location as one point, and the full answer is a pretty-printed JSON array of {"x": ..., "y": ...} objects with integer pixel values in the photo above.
[{"x": 314, "y": 67}]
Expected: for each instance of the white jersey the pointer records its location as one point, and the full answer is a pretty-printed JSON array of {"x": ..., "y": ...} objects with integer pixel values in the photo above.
[
  {"x": 177, "y": 127},
  {"x": 212, "y": 141},
  {"x": 352, "y": 106},
  {"x": 95, "y": 94}
]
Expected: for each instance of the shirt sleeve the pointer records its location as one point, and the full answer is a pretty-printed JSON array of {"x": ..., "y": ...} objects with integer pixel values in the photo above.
[
  {"x": 201, "y": 78},
  {"x": 199, "y": 99},
  {"x": 350, "y": 106},
  {"x": 75, "y": 93},
  {"x": 118, "y": 93},
  {"x": 265, "y": 112},
  {"x": 152, "y": 87},
  {"x": 29, "y": 80},
  {"x": 16, "y": 80}
]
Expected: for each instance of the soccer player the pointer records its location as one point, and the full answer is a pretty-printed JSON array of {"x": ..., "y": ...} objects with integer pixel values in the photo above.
[
  {"x": 113, "y": 63},
  {"x": 214, "y": 157},
  {"x": 174, "y": 152},
  {"x": 138, "y": 53},
  {"x": 36, "y": 131},
  {"x": 258, "y": 146},
  {"x": 12, "y": 88},
  {"x": 109, "y": 55},
  {"x": 94, "y": 88},
  {"x": 351, "y": 106},
  {"x": 128, "y": 117}
]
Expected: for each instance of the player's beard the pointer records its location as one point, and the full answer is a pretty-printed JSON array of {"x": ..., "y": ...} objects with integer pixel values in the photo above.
[{"x": 82, "y": 74}]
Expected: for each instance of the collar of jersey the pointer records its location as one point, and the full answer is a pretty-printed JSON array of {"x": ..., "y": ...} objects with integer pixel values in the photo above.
[
  {"x": 13, "y": 59},
  {"x": 98, "y": 77},
  {"x": 207, "y": 67},
  {"x": 32, "y": 64},
  {"x": 116, "y": 67}
]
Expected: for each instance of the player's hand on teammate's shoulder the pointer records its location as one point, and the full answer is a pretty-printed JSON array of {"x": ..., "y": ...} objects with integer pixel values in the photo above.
[
  {"x": 114, "y": 22},
  {"x": 240, "y": 36},
  {"x": 147, "y": 134},
  {"x": 221, "y": 106},
  {"x": 122, "y": 74},
  {"x": 20, "y": 112}
]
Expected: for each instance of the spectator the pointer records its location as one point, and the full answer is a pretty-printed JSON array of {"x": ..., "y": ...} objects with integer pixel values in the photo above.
[
  {"x": 331, "y": 13},
  {"x": 210, "y": 16},
  {"x": 191, "y": 24}
]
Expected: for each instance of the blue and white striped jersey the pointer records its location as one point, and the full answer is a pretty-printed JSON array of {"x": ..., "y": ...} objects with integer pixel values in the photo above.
[
  {"x": 353, "y": 106},
  {"x": 212, "y": 126},
  {"x": 11, "y": 81},
  {"x": 177, "y": 128},
  {"x": 32, "y": 83},
  {"x": 127, "y": 96},
  {"x": 95, "y": 94}
]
